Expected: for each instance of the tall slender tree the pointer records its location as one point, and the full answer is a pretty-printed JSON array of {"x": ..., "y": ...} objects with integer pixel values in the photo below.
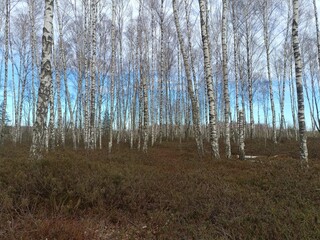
[
  {"x": 113, "y": 66},
  {"x": 209, "y": 79},
  {"x": 299, "y": 85},
  {"x": 40, "y": 125},
  {"x": 266, "y": 34},
  {"x": 194, "y": 99},
  {"x": 6, "y": 56},
  {"x": 225, "y": 79},
  {"x": 93, "y": 74}
]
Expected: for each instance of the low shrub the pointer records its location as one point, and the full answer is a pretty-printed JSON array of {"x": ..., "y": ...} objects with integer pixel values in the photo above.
[{"x": 162, "y": 195}]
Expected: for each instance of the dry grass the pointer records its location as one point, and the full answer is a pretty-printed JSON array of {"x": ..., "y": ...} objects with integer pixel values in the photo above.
[{"x": 166, "y": 194}]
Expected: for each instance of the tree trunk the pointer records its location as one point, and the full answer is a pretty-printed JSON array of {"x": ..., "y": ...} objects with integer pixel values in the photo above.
[
  {"x": 113, "y": 43},
  {"x": 241, "y": 135},
  {"x": 40, "y": 126},
  {"x": 225, "y": 80},
  {"x": 209, "y": 80},
  {"x": 267, "y": 47},
  {"x": 299, "y": 86},
  {"x": 6, "y": 57},
  {"x": 194, "y": 101},
  {"x": 92, "y": 131}
]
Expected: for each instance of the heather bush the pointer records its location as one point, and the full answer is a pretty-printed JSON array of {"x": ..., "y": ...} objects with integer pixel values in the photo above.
[{"x": 167, "y": 194}]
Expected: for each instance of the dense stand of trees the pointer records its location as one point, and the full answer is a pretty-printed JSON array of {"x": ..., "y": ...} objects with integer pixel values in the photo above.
[{"x": 100, "y": 72}]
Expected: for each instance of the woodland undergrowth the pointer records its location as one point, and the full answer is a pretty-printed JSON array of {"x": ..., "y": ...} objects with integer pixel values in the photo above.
[{"x": 165, "y": 194}]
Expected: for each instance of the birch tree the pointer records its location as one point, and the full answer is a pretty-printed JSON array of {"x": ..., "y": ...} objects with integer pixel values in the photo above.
[
  {"x": 161, "y": 68},
  {"x": 194, "y": 101},
  {"x": 266, "y": 19},
  {"x": 113, "y": 45},
  {"x": 209, "y": 79},
  {"x": 6, "y": 56},
  {"x": 40, "y": 126},
  {"x": 225, "y": 79},
  {"x": 93, "y": 75},
  {"x": 299, "y": 85}
]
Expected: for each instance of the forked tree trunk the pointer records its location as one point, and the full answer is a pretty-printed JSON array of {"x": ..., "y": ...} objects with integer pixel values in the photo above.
[
  {"x": 194, "y": 101},
  {"x": 40, "y": 126},
  {"x": 299, "y": 86}
]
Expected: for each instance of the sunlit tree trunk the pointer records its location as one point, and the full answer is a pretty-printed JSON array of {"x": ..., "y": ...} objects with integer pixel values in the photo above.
[
  {"x": 299, "y": 86},
  {"x": 161, "y": 69},
  {"x": 191, "y": 54},
  {"x": 143, "y": 74},
  {"x": 113, "y": 63},
  {"x": 40, "y": 127},
  {"x": 317, "y": 121},
  {"x": 6, "y": 57},
  {"x": 241, "y": 135},
  {"x": 293, "y": 100},
  {"x": 21, "y": 90},
  {"x": 225, "y": 80},
  {"x": 152, "y": 110},
  {"x": 317, "y": 30},
  {"x": 86, "y": 76},
  {"x": 267, "y": 47},
  {"x": 284, "y": 77},
  {"x": 50, "y": 141},
  {"x": 249, "y": 77},
  {"x": 209, "y": 80},
  {"x": 122, "y": 120},
  {"x": 93, "y": 75},
  {"x": 194, "y": 101},
  {"x": 179, "y": 100},
  {"x": 235, "y": 56},
  {"x": 15, "y": 102},
  {"x": 31, "y": 4},
  {"x": 61, "y": 135}
]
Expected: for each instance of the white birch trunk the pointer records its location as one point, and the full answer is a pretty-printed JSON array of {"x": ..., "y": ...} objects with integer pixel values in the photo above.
[
  {"x": 6, "y": 57},
  {"x": 209, "y": 80},
  {"x": 113, "y": 43},
  {"x": 40, "y": 125},
  {"x": 241, "y": 135},
  {"x": 267, "y": 47},
  {"x": 299, "y": 86},
  {"x": 161, "y": 69},
  {"x": 235, "y": 58},
  {"x": 225, "y": 80},
  {"x": 93, "y": 76},
  {"x": 194, "y": 102}
]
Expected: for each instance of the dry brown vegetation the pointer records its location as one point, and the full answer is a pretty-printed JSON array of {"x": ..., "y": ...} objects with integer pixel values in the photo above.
[{"x": 166, "y": 194}]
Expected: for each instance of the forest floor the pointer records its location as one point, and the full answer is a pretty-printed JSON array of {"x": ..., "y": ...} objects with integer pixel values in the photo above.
[{"x": 166, "y": 194}]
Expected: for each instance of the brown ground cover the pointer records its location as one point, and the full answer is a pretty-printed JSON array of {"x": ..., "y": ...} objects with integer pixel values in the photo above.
[{"x": 166, "y": 194}]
